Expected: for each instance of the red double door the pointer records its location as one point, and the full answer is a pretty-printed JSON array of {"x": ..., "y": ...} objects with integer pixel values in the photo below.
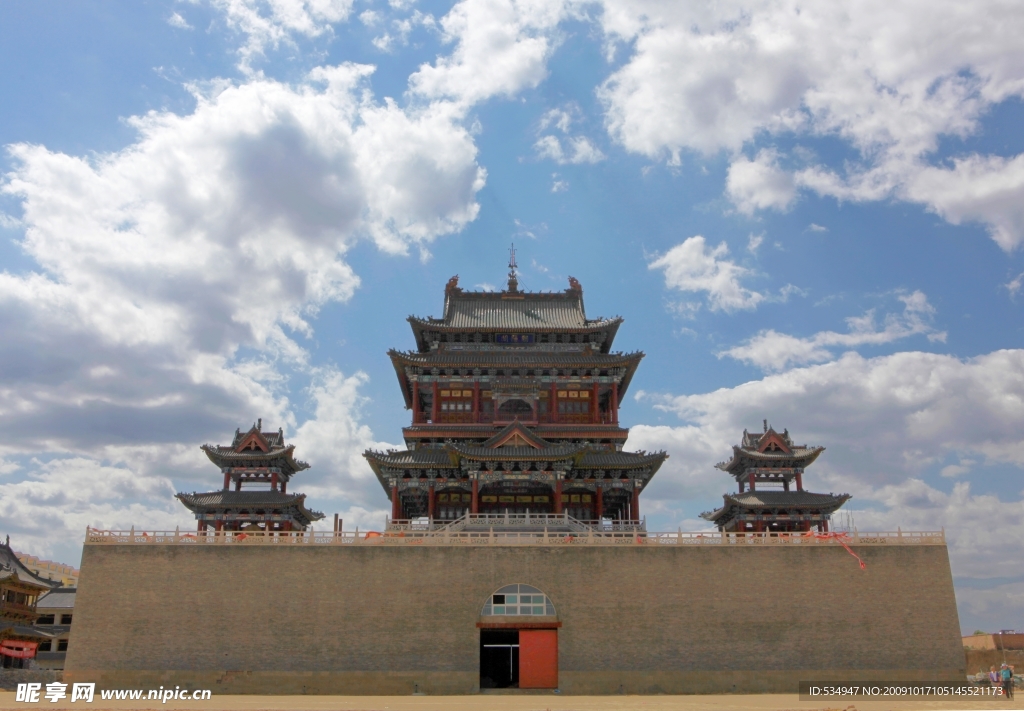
[{"x": 538, "y": 659}]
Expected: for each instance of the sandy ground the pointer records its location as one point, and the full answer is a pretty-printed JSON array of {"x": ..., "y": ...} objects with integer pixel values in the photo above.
[{"x": 765, "y": 702}]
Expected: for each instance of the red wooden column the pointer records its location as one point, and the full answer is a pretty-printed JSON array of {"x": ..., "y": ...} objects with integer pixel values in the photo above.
[
  {"x": 273, "y": 481},
  {"x": 558, "y": 496},
  {"x": 396, "y": 504},
  {"x": 415, "y": 401},
  {"x": 750, "y": 479},
  {"x": 476, "y": 401},
  {"x": 431, "y": 498},
  {"x": 615, "y": 403},
  {"x": 600, "y": 502},
  {"x": 227, "y": 480},
  {"x": 636, "y": 505},
  {"x": 553, "y": 407},
  {"x": 594, "y": 409},
  {"x": 799, "y": 482},
  {"x": 824, "y": 525},
  {"x": 474, "y": 507},
  {"x": 434, "y": 405}
]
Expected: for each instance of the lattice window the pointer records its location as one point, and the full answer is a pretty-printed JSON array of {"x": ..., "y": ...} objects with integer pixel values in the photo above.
[{"x": 519, "y": 600}]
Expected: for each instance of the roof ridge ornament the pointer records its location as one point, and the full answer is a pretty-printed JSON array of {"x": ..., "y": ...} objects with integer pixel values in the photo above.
[{"x": 513, "y": 278}]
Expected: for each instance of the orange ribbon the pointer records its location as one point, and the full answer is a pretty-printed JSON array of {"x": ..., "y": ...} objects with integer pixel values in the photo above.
[{"x": 841, "y": 537}]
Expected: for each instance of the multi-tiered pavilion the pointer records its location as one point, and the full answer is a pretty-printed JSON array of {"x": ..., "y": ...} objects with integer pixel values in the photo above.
[
  {"x": 257, "y": 467},
  {"x": 769, "y": 472},
  {"x": 515, "y": 411}
]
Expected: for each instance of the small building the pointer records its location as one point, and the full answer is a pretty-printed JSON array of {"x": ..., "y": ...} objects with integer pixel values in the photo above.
[
  {"x": 1005, "y": 639},
  {"x": 55, "y": 611},
  {"x": 65, "y": 575},
  {"x": 769, "y": 471},
  {"x": 20, "y": 590},
  {"x": 257, "y": 467}
]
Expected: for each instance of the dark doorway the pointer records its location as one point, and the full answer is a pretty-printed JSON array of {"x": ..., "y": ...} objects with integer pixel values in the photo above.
[{"x": 499, "y": 659}]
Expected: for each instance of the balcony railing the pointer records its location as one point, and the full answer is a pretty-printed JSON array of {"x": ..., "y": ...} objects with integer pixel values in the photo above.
[
  {"x": 17, "y": 609},
  {"x": 512, "y": 538}
]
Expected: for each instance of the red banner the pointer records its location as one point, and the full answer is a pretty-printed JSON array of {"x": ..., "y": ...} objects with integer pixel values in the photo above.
[{"x": 18, "y": 649}]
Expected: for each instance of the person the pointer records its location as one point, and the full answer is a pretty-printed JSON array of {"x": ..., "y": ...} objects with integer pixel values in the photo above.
[
  {"x": 1007, "y": 678},
  {"x": 993, "y": 676}
]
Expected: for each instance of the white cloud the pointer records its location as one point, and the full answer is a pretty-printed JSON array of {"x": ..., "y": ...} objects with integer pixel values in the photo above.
[
  {"x": 987, "y": 189},
  {"x": 176, "y": 20},
  {"x": 771, "y": 350},
  {"x": 692, "y": 267},
  {"x": 577, "y": 149},
  {"x": 569, "y": 148},
  {"x": 886, "y": 422},
  {"x": 266, "y": 24},
  {"x": 558, "y": 185},
  {"x": 888, "y": 79},
  {"x": 754, "y": 242},
  {"x": 816, "y": 228},
  {"x": 177, "y": 277},
  {"x": 402, "y": 29},
  {"x": 1013, "y": 286},
  {"x": 47, "y": 511},
  {"x": 759, "y": 184},
  {"x": 501, "y": 48}
]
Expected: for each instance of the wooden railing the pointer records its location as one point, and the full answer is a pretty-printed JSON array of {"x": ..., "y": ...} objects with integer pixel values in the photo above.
[{"x": 533, "y": 538}]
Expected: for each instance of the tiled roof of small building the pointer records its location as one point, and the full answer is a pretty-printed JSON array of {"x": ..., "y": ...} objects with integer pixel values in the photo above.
[
  {"x": 58, "y": 597},
  {"x": 759, "y": 500},
  {"x": 526, "y": 311},
  {"x": 215, "y": 500},
  {"x": 11, "y": 567}
]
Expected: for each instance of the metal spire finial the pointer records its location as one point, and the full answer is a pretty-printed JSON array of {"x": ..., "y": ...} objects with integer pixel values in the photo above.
[{"x": 513, "y": 279}]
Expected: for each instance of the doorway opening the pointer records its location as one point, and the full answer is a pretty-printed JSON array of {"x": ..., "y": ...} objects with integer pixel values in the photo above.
[{"x": 499, "y": 659}]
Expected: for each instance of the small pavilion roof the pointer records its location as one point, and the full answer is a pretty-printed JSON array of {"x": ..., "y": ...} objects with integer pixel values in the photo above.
[
  {"x": 12, "y": 568},
  {"x": 761, "y": 500},
  {"x": 223, "y": 500},
  {"x": 256, "y": 448},
  {"x": 766, "y": 449}
]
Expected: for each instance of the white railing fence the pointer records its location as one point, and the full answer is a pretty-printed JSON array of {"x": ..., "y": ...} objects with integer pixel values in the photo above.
[{"x": 95, "y": 536}]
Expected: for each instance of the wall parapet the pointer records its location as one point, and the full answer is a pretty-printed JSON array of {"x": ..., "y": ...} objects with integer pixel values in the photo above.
[{"x": 95, "y": 536}]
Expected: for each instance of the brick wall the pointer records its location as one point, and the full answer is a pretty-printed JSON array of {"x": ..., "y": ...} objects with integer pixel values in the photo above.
[{"x": 364, "y": 619}]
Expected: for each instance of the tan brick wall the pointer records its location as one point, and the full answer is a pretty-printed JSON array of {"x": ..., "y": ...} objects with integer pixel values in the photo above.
[{"x": 644, "y": 618}]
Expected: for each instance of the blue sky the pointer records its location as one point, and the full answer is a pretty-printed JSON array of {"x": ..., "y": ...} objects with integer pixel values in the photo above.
[{"x": 218, "y": 210}]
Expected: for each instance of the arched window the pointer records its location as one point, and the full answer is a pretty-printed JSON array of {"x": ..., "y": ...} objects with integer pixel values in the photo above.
[{"x": 518, "y": 600}]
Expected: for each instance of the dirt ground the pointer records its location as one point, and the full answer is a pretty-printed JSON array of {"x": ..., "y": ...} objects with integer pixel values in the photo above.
[{"x": 536, "y": 702}]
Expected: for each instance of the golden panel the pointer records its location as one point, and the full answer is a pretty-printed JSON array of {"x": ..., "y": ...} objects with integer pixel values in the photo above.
[
  {"x": 584, "y": 394},
  {"x": 467, "y": 498},
  {"x": 563, "y": 393},
  {"x": 507, "y": 499},
  {"x": 442, "y": 497},
  {"x": 575, "y": 498},
  {"x": 489, "y": 499},
  {"x": 574, "y": 393},
  {"x": 585, "y": 498},
  {"x": 524, "y": 499},
  {"x": 446, "y": 393},
  {"x": 565, "y": 498},
  {"x": 540, "y": 499}
]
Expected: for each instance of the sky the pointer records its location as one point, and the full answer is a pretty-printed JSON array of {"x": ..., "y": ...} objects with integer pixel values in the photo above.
[{"x": 213, "y": 211}]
